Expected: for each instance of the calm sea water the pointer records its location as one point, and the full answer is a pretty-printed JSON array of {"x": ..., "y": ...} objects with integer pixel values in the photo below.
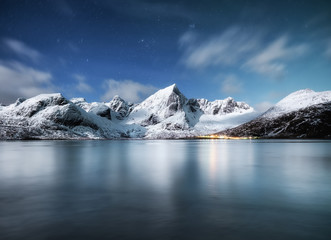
[{"x": 208, "y": 189}]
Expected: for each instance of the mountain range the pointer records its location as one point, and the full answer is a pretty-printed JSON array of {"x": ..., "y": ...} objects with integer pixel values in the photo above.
[{"x": 165, "y": 114}]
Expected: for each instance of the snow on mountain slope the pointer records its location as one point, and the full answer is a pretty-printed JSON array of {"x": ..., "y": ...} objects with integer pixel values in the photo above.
[
  {"x": 225, "y": 106},
  {"x": 297, "y": 100},
  {"x": 310, "y": 122},
  {"x": 168, "y": 113},
  {"x": 97, "y": 108},
  {"x": 212, "y": 123},
  {"x": 165, "y": 114},
  {"x": 53, "y": 116},
  {"x": 161, "y": 105},
  {"x": 120, "y": 107},
  {"x": 302, "y": 114}
]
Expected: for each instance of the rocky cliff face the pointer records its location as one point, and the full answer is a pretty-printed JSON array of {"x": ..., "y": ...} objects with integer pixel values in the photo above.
[
  {"x": 97, "y": 108},
  {"x": 228, "y": 105},
  {"x": 120, "y": 107}
]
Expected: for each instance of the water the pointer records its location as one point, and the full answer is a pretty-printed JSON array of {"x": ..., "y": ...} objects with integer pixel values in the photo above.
[{"x": 210, "y": 189}]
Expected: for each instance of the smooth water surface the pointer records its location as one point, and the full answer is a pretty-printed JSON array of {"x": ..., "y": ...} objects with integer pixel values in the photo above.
[{"x": 197, "y": 189}]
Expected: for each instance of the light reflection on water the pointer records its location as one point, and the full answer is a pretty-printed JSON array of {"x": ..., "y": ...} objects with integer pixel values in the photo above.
[{"x": 206, "y": 189}]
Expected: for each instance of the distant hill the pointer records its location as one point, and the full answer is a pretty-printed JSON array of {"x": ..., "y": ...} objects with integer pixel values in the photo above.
[{"x": 302, "y": 114}]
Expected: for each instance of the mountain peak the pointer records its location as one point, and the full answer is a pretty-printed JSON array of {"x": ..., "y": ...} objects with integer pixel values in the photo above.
[
  {"x": 301, "y": 92},
  {"x": 168, "y": 90},
  {"x": 117, "y": 98},
  {"x": 173, "y": 85}
]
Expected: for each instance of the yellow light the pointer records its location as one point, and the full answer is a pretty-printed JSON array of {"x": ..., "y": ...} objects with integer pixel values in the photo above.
[{"x": 213, "y": 136}]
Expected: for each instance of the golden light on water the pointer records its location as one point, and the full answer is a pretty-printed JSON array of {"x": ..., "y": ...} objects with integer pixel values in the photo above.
[{"x": 214, "y": 136}]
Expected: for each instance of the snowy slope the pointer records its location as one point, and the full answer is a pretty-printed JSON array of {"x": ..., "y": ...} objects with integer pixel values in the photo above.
[
  {"x": 53, "y": 116},
  {"x": 120, "y": 107},
  {"x": 302, "y": 114},
  {"x": 220, "y": 107},
  {"x": 169, "y": 114},
  {"x": 297, "y": 100},
  {"x": 161, "y": 105},
  {"x": 165, "y": 114},
  {"x": 97, "y": 108}
]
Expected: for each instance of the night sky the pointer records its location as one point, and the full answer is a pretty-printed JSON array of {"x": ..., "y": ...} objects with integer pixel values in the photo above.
[{"x": 254, "y": 51}]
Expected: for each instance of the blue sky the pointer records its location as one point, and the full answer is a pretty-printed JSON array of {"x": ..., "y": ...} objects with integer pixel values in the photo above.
[{"x": 254, "y": 51}]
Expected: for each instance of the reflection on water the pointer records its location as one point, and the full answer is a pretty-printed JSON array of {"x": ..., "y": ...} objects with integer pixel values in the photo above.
[{"x": 210, "y": 189}]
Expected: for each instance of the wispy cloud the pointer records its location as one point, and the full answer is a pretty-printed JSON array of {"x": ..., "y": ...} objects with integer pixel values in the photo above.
[
  {"x": 271, "y": 61},
  {"x": 18, "y": 80},
  {"x": 82, "y": 86},
  {"x": 244, "y": 49},
  {"x": 127, "y": 89},
  {"x": 228, "y": 48},
  {"x": 188, "y": 40},
  {"x": 263, "y": 106},
  {"x": 231, "y": 85},
  {"x": 22, "y": 50}
]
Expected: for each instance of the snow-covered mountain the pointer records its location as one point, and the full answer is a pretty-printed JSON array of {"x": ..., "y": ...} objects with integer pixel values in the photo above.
[
  {"x": 169, "y": 114},
  {"x": 120, "y": 107},
  {"x": 302, "y": 114},
  {"x": 297, "y": 100},
  {"x": 165, "y": 114},
  {"x": 51, "y": 116},
  {"x": 97, "y": 108},
  {"x": 221, "y": 107}
]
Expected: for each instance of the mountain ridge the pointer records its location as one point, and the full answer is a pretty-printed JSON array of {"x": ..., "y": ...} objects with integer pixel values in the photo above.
[
  {"x": 301, "y": 114},
  {"x": 165, "y": 114}
]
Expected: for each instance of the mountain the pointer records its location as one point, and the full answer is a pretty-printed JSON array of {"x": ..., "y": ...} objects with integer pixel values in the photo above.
[
  {"x": 97, "y": 108},
  {"x": 51, "y": 116},
  {"x": 169, "y": 114},
  {"x": 165, "y": 114},
  {"x": 228, "y": 105},
  {"x": 120, "y": 107},
  {"x": 302, "y": 114}
]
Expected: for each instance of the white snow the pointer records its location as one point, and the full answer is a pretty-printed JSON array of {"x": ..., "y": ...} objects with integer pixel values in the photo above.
[
  {"x": 157, "y": 104},
  {"x": 209, "y": 124},
  {"x": 169, "y": 114},
  {"x": 165, "y": 114},
  {"x": 54, "y": 111},
  {"x": 297, "y": 100}
]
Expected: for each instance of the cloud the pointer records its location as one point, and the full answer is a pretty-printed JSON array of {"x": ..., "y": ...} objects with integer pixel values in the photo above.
[
  {"x": 243, "y": 48},
  {"x": 18, "y": 80},
  {"x": 187, "y": 40},
  {"x": 228, "y": 48},
  {"x": 231, "y": 85},
  {"x": 127, "y": 89},
  {"x": 271, "y": 60},
  {"x": 82, "y": 86},
  {"x": 263, "y": 106},
  {"x": 22, "y": 50}
]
